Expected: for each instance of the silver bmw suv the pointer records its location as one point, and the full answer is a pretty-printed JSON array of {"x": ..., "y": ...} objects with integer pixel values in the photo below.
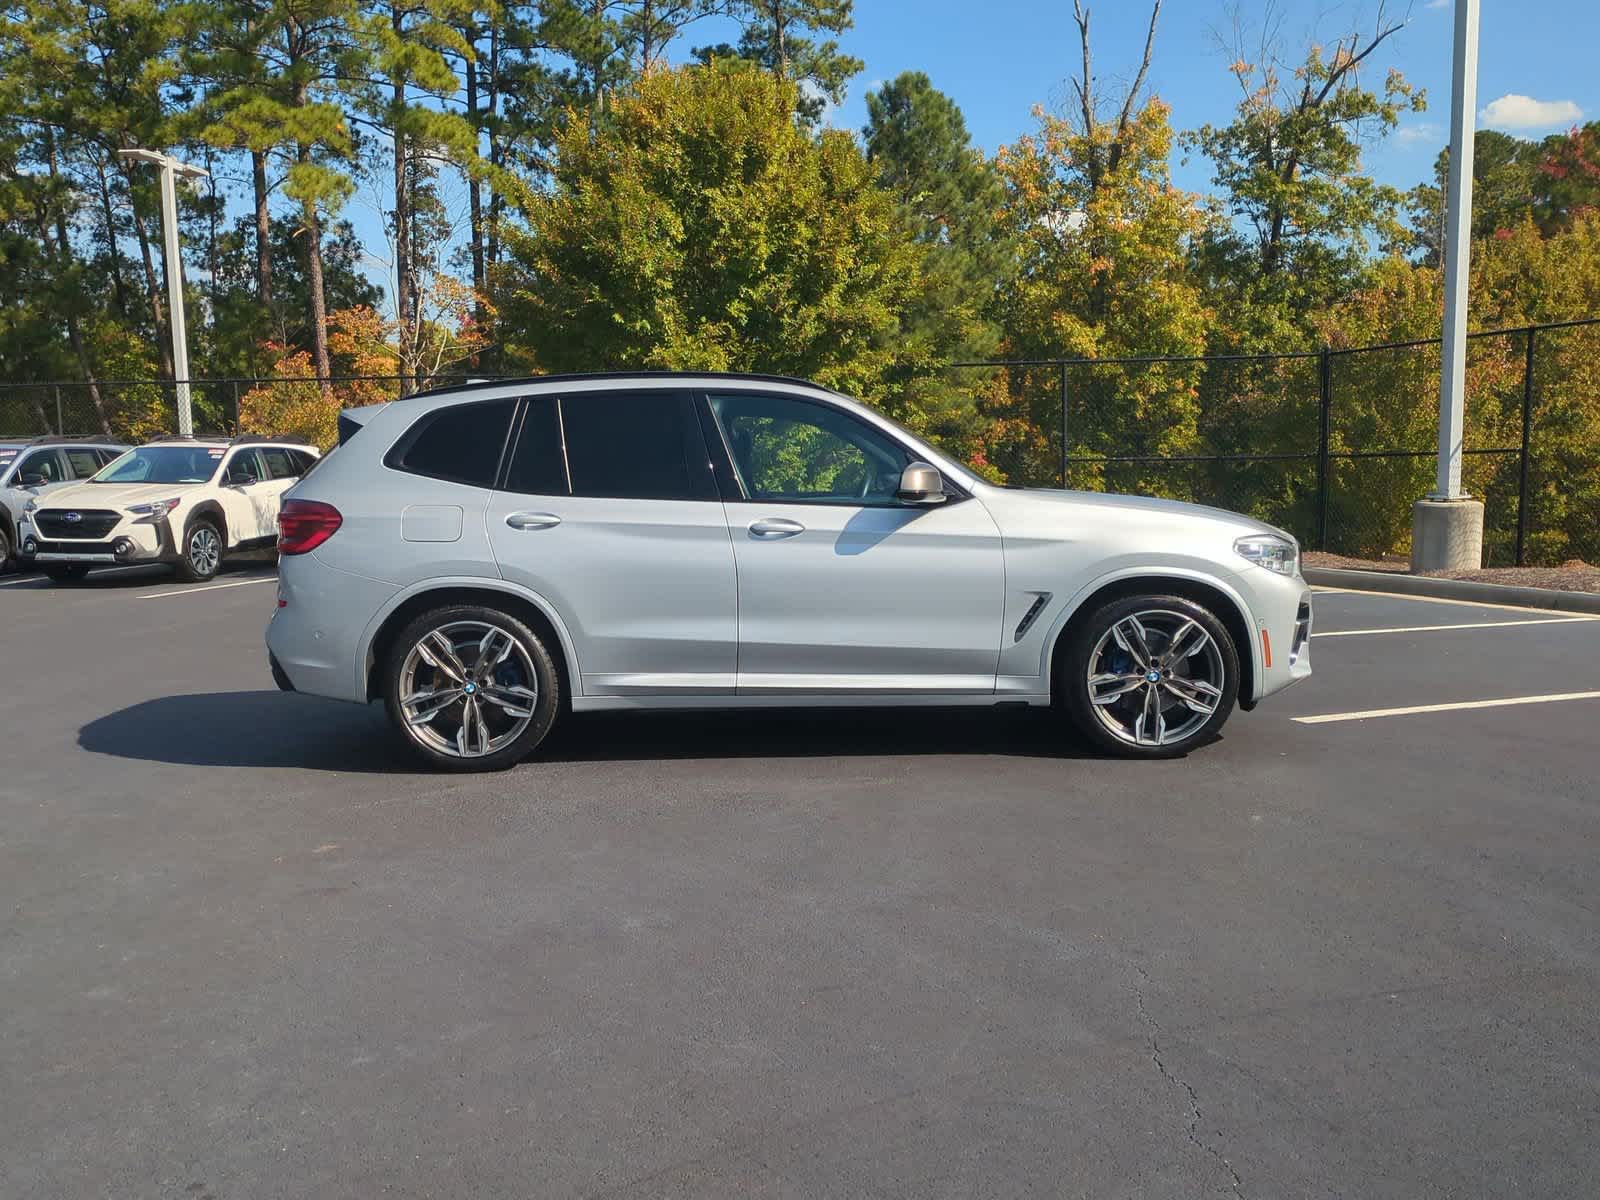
[{"x": 486, "y": 557}]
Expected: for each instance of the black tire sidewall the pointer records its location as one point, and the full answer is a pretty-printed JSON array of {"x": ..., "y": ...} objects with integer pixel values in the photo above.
[
  {"x": 1075, "y": 667},
  {"x": 186, "y": 571},
  {"x": 545, "y": 712}
]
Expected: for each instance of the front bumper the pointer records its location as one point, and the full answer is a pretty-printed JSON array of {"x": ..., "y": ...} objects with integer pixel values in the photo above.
[
  {"x": 1281, "y": 606},
  {"x": 131, "y": 541}
]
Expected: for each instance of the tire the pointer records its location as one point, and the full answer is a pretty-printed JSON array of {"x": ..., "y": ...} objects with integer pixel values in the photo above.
[
  {"x": 200, "y": 554},
  {"x": 508, "y": 723},
  {"x": 1122, "y": 710},
  {"x": 67, "y": 572},
  {"x": 6, "y": 549}
]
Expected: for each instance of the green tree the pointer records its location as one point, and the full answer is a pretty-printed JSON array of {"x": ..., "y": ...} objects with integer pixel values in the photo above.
[
  {"x": 950, "y": 198},
  {"x": 700, "y": 228},
  {"x": 1506, "y": 186},
  {"x": 1303, "y": 214},
  {"x": 787, "y": 38}
]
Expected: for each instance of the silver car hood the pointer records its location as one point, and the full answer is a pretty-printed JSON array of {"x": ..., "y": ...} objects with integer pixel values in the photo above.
[{"x": 1144, "y": 510}]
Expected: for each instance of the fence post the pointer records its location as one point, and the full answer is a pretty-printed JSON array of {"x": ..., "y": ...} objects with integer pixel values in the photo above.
[
  {"x": 1063, "y": 425},
  {"x": 1324, "y": 436},
  {"x": 56, "y": 388},
  {"x": 1527, "y": 440},
  {"x": 236, "y": 428}
]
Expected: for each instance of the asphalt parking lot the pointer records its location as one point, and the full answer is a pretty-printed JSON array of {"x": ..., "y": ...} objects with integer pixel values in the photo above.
[{"x": 250, "y": 951}]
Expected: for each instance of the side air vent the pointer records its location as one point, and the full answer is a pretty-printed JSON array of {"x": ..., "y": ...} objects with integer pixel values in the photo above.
[{"x": 1032, "y": 615}]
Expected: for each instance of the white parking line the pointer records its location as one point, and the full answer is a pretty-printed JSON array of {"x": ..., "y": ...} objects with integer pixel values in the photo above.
[
  {"x": 1327, "y": 633},
  {"x": 1334, "y": 591},
  {"x": 210, "y": 587},
  {"x": 1328, "y": 718}
]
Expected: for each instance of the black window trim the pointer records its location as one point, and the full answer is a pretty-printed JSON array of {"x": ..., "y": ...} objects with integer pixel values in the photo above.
[
  {"x": 733, "y": 491},
  {"x": 408, "y": 437},
  {"x": 502, "y": 476},
  {"x": 695, "y": 400}
]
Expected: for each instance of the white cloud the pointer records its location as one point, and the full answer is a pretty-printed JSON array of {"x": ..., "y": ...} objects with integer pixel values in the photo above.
[
  {"x": 1437, "y": 4},
  {"x": 1422, "y": 131},
  {"x": 1512, "y": 111}
]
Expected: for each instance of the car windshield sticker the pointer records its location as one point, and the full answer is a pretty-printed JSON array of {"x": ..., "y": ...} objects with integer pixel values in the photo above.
[{"x": 214, "y": 453}]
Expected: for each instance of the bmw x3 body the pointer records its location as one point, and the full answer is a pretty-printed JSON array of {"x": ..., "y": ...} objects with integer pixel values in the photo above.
[
  {"x": 482, "y": 558},
  {"x": 186, "y": 501}
]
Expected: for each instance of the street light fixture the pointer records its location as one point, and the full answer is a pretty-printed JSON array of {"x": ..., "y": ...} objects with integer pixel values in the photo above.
[{"x": 171, "y": 168}]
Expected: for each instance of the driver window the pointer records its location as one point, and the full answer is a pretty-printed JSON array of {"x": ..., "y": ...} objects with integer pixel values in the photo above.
[
  {"x": 789, "y": 449},
  {"x": 244, "y": 468},
  {"x": 42, "y": 462}
]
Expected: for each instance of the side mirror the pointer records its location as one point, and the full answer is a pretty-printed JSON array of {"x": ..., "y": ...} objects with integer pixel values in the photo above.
[
  {"x": 921, "y": 483},
  {"x": 32, "y": 479}
]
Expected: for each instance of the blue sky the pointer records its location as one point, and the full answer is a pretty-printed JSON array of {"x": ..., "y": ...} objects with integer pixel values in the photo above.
[{"x": 998, "y": 58}]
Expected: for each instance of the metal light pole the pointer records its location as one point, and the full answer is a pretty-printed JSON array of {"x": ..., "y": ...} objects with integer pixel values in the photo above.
[
  {"x": 171, "y": 168},
  {"x": 1447, "y": 527}
]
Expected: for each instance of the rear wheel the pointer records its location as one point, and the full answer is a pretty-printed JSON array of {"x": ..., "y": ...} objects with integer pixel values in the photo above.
[
  {"x": 6, "y": 549},
  {"x": 471, "y": 688},
  {"x": 67, "y": 572},
  {"x": 200, "y": 556},
  {"x": 1150, "y": 676}
]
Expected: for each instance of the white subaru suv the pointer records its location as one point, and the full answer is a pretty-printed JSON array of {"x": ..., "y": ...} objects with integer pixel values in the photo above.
[
  {"x": 180, "y": 500},
  {"x": 34, "y": 467},
  {"x": 483, "y": 558}
]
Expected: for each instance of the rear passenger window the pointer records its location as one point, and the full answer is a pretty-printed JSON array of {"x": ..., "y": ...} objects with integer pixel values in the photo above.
[
  {"x": 82, "y": 463},
  {"x": 461, "y": 444},
  {"x": 636, "y": 445},
  {"x": 538, "y": 465},
  {"x": 279, "y": 464}
]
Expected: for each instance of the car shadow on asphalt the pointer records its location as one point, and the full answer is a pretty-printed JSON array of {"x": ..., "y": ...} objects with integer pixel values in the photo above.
[{"x": 271, "y": 729}]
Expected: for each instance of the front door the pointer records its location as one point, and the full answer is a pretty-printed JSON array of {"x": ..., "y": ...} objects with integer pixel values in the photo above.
[
  {"x": 842, "y": 588},
  {"x": 610, "y": 511}
]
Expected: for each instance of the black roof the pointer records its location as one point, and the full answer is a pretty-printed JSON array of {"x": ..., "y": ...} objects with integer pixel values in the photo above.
[
  {"x": 65, "y": 439},
  {"x": 587, "y": 376},
  {"x": 245, "y": 439}
]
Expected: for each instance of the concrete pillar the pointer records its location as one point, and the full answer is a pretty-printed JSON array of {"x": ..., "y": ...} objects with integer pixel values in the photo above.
[{"x": 1447, "y": 535}]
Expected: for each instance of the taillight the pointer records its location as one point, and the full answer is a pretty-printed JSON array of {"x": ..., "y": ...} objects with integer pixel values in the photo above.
[{"x": 303, "y": 525}]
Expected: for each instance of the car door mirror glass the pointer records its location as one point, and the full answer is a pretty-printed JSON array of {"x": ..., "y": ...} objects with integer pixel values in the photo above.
[
  {"x": 921, "y": 483},
  {"x": 31, "y": 479}
]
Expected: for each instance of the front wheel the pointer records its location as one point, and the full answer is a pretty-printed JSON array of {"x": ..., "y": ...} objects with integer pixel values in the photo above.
[
  {"x": 1150, "y": 676},
  {"x": 201, "y": 555},
  {"x": 471, "y": 688}
]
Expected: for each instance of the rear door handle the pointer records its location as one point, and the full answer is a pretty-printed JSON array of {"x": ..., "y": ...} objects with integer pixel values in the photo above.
[
  {"x": 532, "y": 520},
  {"x": 773, "y": 528}
]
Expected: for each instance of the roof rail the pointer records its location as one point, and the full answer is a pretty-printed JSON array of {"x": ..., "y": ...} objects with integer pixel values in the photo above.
[
  {"x": 256, "y": 439},
  {"x": 61, "y": 439},
  {"x": 586, "y": 376}
]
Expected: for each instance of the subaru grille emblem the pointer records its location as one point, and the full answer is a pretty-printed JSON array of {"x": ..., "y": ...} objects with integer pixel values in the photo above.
[{"x": 72, "y": 518}]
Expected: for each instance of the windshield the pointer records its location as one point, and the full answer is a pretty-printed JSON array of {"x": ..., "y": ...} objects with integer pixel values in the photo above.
[
  {"x": 8, "y": 458},
  {"x": 163, "y": 464}
]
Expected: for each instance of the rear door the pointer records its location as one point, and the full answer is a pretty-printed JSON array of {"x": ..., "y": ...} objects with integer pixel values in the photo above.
[{"x": 610, "y": 511}]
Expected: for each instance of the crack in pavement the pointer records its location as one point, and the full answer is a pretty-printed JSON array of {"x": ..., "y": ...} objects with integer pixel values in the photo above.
[{"x": 1188, "y": 1089}]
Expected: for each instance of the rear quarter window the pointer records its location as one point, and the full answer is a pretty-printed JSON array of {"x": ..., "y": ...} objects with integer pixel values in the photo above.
[{"x": 460, "y": 444}]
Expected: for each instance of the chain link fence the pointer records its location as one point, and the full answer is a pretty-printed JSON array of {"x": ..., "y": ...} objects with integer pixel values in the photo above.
[{"x": 1333, "y": 445}]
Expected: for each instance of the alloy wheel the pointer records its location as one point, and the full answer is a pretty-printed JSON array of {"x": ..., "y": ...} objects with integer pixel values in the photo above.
[
  {"x": 205, "y": 550},
  {"x": 1155, "y": 677},
  {"x": 467, "y": 689}
]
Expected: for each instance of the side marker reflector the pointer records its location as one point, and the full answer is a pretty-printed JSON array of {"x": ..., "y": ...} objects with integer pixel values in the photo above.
[{"x": 1266, "y": 649}]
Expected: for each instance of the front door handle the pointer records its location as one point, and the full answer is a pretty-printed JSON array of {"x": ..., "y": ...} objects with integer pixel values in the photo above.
[
  {"x": 532, "y": 520},
  {"x": 772, "y": 528}
]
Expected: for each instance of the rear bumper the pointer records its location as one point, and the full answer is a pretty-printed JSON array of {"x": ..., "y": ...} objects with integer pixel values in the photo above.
[
  {"x": 279, "y": 675},
  {"x": 315, "y": 637}
]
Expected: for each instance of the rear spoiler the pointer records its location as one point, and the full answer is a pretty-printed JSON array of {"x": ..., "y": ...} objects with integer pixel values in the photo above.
[{"x": 352, "y": 419}]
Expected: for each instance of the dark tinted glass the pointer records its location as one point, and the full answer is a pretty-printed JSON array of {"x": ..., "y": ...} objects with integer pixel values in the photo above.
[
  {"x": 279, "y": 464},
  {"x": 461, "y": 443},
  {"x": 538, "y": 467},
  {"x": 636, "y": 445}
]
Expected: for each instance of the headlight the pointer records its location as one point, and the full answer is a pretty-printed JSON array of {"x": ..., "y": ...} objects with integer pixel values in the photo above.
[
  {"x": 155, "y": 509},
  {"x": 1270, "y": 551},
  {"x": 31, "y": 506}
]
